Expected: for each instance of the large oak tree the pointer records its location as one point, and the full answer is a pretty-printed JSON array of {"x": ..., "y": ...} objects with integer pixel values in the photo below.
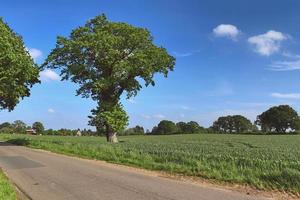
[
  {"x": 18, "y": 72},
  {"x": 279, "y": 119},
  {"x": 107, "y": 59}
]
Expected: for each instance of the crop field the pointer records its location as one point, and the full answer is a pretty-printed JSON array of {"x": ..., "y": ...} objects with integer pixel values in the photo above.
[{"x": 263, "y": 161}]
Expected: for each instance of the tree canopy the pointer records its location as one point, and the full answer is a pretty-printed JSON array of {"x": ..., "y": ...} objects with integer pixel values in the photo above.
[
  {"x": 107, "y": 59},
  {"x": 189, "y": 127},
  {"x": 233, "y": 124},
  {"x": 18, "y": 72},
  {"x": 165, "y": 127},
  {"x": 278, "y": 119},
  {"x": 38, "y": 127}
]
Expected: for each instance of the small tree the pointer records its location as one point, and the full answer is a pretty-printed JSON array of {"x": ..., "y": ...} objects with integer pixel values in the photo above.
[
  {"x": 166, "y": 127},
  {"x": 19, "y": 126},
  {"x": 233, "y": 124},
  {"x": 18, "y": 73},
  {"x": 107, "y": 59},
  {"x": 5, "y": 125},
  {"x": 278, "y": 119},
  {"x": 38, "y": 127}
]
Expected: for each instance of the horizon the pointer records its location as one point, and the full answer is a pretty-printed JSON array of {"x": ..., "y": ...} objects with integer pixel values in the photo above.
[{"x": 226, "y": 64}]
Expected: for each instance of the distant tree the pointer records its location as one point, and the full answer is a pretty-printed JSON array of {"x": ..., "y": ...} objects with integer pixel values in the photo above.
[
  {"x": 154, "y": 130},
  {"x": 166, "y": 127},
  {"x": 7, "y": 130},
  {"x": 18, "y": 73},
  {"x": 233, "y": 124},
  {"x": 38, "y": 127},
  {"x": 278, "y": 119},
  {"x": 194, "y": 127},
  {"x": 296, "y": 124},
  {"x": 49, "y": 132},
  {"x": 5, "y": 125},
  {"x": 148, "y": 132},
  {"x": 189, "y": 127},
  {"x": 107, "y": 59},
  {"x": 182, "y": 127},
  {"x": 137, "y": 130},
  {"x": 19, "y": 126}
]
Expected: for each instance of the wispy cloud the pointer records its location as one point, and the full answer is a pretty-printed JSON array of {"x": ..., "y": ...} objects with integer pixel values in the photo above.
[
  {"x": 49, "y": 75},
  {"x": 145, "y": 116},
  {"x": 268, "y": 43},
  {"x": 286, "y": 95},
  {"x": 183, "y": 107},
  {"x": 155, "y": 116},
  {"x": 291, "y": 63},
  {"x": 159, "y": 116},
  {"x": 132, "y": 101},
  {"x": 226, "y": 30},
  {"x": 51, "y": 110},
  {"x": 185, "y": 54},
  {"x": 224, "y": 88},
  {"x": 285, "y": 65}
]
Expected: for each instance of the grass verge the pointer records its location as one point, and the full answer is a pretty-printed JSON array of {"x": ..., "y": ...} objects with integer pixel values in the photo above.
[{"x": 7, "y": 191}]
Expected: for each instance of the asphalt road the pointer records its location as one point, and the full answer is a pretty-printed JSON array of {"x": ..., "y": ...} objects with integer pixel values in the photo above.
[{"x": 42, "y": 176}]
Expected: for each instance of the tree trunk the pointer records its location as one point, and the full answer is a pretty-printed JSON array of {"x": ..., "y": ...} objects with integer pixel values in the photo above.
[{"x": 112, "y": 137}]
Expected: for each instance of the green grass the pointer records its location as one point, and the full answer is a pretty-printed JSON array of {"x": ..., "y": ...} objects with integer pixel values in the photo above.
[
  {"x": 263, "y": 161},
  {"x": 6, "y": 189}
]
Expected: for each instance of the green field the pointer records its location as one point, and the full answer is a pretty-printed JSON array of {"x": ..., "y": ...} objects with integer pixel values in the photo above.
[
  {"x": 6, "y": 190},
  {"x": 263, "y": 161}
]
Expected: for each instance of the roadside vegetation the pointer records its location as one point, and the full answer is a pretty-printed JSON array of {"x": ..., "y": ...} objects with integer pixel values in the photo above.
[
  {"x": 6, "y": 189},
  {"x": 262, "y": 161}
]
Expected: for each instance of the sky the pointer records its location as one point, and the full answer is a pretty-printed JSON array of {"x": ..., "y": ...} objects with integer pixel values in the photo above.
[{"x": 232, "y": 57}]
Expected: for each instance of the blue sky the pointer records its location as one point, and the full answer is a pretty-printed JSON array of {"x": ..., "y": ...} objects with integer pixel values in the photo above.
[{"x": 233, "y": 57}]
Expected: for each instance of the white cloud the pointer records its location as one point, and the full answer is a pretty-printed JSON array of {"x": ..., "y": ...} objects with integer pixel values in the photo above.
[
  {"x": 268, "y": 43},
  {"x": 159, "y": 116},
  {"x": 51, "y": 110},
  {"x": 226, "y": 30},
  {"x": 35, "y": 53},
  {"x": 286, "y": 95},
  {"x": 48, "y": 74}
]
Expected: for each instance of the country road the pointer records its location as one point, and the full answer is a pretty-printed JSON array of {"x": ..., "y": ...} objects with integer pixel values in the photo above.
[{"x": 47, "y": 176}]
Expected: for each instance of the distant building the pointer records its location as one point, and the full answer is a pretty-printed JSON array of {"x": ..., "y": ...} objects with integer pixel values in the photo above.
[
  {"x": 31, "y": 131},
  {"x": 78, "y": 133}
]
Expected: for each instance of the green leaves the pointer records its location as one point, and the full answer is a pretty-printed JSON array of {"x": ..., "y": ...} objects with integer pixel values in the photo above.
[
  {"x": 105, "y": 55},
  {"x": 113, "y": 120},
  {"x": 278, "y": 118},
  {"x": 107, "y": 59},
  {"x": 234, "y": 123},
  {"x": 18, "y": 73}
]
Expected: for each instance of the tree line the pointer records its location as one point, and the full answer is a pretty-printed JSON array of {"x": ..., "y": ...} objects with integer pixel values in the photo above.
[{"x": 277, "y": 119}]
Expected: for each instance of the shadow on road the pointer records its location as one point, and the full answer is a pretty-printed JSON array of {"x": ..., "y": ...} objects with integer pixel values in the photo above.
[{"x": 14, "y": 142}]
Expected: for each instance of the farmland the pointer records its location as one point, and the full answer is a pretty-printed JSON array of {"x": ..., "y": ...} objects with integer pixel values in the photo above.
[{"x": 263, "y": 161}]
